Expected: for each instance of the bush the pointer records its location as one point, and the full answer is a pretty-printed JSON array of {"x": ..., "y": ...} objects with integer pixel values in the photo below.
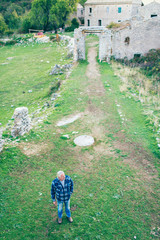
[
  {"x": 2, "y": 43},
  {"x": 11, "y": 42},
  {"x": 26, "y": 24},
  {"x": 52, "y": 38},
  {"x": 149, "y": 63},
  {"x": 74, "y": 24},
  {"x": 3, "y": 25},
  {"x": 113, "y": 25}
]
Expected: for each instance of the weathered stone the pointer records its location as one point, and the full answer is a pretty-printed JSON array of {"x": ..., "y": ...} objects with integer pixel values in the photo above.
[
  {"x": 60, "y": 69},
  {"x": 1, "y": 140},
  {"x": 56, "y": 70},
  {"x": 84, "y": 140},
  {"x": 68, "y": 120},
  {"x": 132, "y": 37},
  {"x": 21, "y": 122}
]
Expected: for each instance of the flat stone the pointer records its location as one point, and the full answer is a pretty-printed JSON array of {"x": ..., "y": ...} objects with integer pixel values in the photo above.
[
  {"x": 66, "y": 121},
  {"x": 84, "y": 140}
]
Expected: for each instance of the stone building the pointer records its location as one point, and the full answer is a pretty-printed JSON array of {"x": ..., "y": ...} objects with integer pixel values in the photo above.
[
  {"x": 132, "y": 37},
  {"x": 103, "y": 12},
  {"x": 137, "y": 37},
  {"x": 80, "y": 14},
  {"x": 151, "y": 10}
]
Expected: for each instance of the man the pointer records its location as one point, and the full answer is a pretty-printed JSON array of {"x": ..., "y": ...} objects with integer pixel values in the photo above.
[{"x": 62, "y": 188}]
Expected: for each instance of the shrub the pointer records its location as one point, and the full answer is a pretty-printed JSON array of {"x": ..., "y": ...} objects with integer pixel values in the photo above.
[
  {"x": 3, "y": 25},
  {"x": 113, "y": 25},
  {"x": 52, "y": 38},
  {"x": 26, "y": 23},
  {"x": 74, "y": 24},
  {"x": 11, "y": 42}
]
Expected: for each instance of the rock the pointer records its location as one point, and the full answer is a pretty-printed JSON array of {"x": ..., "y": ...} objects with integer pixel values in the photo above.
[
  {"x": 60, "y": 69},
  {"x": 84, "y": 140},
  {"x": 68, "y": 120},
  {"x": 21, "y": 122},
  {"x": 10, "y": 58},
  {"x": 56, "y": 70},
  {"x": 65, "y": 136},
  {"x": 30, "y": 91},
  {"x": 1, "y": 140}
]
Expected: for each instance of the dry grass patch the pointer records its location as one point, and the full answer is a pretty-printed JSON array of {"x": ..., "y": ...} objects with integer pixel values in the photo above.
[{"x": 30, "y": 149}]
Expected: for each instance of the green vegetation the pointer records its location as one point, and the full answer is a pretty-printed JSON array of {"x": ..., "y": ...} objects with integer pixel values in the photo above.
[
  {"x": 113, "y": 25},
  {"x": 47, "y": 15},
  {"x": 116, "y": 182},
  {"x": 149, "y": 63},
  {"x": 33, "y": 63}
]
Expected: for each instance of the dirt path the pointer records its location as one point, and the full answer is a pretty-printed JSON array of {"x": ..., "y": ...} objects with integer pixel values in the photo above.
[{"x": 95, "y": 115}]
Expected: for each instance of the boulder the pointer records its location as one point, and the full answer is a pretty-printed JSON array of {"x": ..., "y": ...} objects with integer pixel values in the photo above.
[{"x": 22, "y": 122}]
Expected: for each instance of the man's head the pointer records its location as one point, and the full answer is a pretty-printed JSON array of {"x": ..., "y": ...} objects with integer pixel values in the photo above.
[{"x": 61, "y": 175}]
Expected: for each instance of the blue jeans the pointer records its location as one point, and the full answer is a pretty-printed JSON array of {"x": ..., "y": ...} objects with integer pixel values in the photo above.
[{"x": 67, "y": 208}]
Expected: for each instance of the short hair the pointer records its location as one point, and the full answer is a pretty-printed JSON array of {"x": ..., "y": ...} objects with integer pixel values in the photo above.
[{"x": 59, "y": 173}]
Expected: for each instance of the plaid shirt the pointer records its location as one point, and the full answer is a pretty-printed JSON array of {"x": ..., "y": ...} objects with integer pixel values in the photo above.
[{"x": 62, "y": 194}]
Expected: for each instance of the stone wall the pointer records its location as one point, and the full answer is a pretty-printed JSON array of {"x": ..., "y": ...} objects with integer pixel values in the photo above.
[
  {"x": 150, "y": 10},
  {"x": 137, "y": 38},
  {"x": 105, "y": 14},
  {"x": 104, "y": 42},
  {"x": 133, "y": 37}
]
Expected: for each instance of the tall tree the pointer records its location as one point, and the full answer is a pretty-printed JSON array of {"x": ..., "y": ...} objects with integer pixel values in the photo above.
[
  {"x": 48, "y": 14},
  {"x": 3, "y": 25}
]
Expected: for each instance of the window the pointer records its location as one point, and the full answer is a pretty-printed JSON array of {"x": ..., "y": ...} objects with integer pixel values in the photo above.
[
  {"x": 99, "y": 22},
  {"x": 107, "y": 9},
  {"x": 153, "y": 15},
  {"x": 119, "y": 20},
  {"x": 88, "y": 22},
  {"x": 127, "y": 41},
  {"x": 90, "y": 10},
  {"x": 119, "y": 10},
  {"x": 81, "y": 12}
]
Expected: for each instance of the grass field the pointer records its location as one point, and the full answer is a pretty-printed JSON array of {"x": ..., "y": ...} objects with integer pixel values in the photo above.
[{"x": 115, "y": 180}]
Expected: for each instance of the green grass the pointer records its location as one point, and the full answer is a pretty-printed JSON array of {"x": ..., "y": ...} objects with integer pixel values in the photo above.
[
  {"x": 111, "y": 200},
  {"x": 28, "y": 70}
]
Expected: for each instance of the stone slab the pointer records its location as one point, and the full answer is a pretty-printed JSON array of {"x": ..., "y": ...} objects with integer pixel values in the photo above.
[
  {"x": 68, "y": 120},
  {"x": 84, "y": 140}
]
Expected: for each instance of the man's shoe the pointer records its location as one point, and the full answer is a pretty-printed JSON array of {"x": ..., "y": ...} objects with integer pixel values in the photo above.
[
  {"x": 59, "y": 220},
  {"x": 70, "y": 219}
]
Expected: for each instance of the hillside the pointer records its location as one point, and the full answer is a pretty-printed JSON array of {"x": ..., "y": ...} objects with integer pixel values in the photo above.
[{"x": 25, "y": 4}]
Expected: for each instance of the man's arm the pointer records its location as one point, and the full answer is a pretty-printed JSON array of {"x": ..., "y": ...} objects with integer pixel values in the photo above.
[
  {"x": 53, "y": 193},
  {"x": 71, "y": 187}
]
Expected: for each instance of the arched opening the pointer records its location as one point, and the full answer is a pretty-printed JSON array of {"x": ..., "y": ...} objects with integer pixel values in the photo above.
[{"x": 127, "y": 41}]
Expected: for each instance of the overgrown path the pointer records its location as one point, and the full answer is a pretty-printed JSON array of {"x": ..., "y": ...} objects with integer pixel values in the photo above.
[{"x": 116, "y": 179}]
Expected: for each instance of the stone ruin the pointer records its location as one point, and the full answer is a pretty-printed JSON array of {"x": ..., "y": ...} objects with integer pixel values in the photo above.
[
  {"x": 135, "y": 37},
  {"x": 22, "y": 122}
]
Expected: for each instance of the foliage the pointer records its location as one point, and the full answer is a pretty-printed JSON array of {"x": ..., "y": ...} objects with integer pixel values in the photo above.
[
  {"x": 51, "y": 13},
  {"x": 26, "y": 23},
  {"x": 12, "y": 16},
  {"x": 23, "y": 4},
  {"x": 82, "y": 2},
  {"x": 149, "y": 63},
  {"x": 74, "y": 24},
  {"x": 3, "y": 26},
  {"x": 113, "y": 25}
]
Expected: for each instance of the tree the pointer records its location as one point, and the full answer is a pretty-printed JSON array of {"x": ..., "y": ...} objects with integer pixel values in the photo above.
[
  {"x": 49, "y": 14},
  {"x": 40, "y": 13},
  {"x": 12, "y": 16},
  {"x": 3, "y": 25}
]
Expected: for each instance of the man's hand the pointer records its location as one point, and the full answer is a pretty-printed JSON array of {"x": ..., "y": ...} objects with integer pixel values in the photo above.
[{"x": 55, "y": 203}]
